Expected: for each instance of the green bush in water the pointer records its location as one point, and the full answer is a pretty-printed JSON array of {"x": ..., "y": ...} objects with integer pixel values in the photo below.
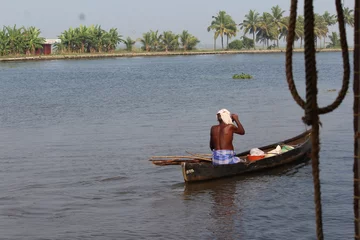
[{"x": 242, "y": 76}]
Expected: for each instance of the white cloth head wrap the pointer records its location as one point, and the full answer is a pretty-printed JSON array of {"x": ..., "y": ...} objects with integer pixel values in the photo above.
[{"x": 225, "y": 116}]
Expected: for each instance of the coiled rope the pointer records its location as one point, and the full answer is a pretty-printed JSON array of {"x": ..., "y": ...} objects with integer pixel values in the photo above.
[{"x": 311, "y": 107}]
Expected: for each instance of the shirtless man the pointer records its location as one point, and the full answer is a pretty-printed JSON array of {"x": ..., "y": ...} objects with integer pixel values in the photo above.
[{"x": 221, "y": 137}]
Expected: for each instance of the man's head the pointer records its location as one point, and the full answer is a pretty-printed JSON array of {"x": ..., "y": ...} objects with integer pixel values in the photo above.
[{"x": 224, "y": 116}]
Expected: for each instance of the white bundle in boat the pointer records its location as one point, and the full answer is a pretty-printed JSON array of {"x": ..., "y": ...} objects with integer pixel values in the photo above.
[
  {"x": 256, "y": 152},
  {"x": 277, "y": 150}
]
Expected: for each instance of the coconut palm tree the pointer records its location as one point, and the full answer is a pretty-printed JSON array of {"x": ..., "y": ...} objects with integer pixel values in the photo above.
[
  {"x": 146, "y": 41},
  {"x": 334, "y": 40},
  {"x": 320, "y": 28},
  {"x": 230, "y": 30},
  {"x": 300, "y": 28},
  {"x": 169, "y": 40},
  {"x": 222, "y": 24},
  {"x": 129, "y": 44},
  {"x": 277, "y": 20},
  {"x": 155, "y": 39},
  {"x": 349, "y": 16},
  {"x": 184, "y": 39},
  {"x": 265, "y": 29},
  {"x": 188, "y": 41},
  {"x": 330, "y": 20},
  {"x": 251, "y": 23}
]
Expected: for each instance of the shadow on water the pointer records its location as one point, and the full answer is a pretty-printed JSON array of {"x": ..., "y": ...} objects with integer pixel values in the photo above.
[{"x": 232, "y": 197}]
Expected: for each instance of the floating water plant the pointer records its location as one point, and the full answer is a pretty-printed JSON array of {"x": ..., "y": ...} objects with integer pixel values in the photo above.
[{"x": 242, "y": 76}]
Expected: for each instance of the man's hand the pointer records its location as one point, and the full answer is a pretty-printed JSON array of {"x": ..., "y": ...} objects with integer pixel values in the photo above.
[{"x": 234, "y": 117}]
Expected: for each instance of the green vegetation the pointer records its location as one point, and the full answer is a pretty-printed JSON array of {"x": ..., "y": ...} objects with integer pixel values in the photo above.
[
  {"x": 334, "y": 41},
  {"x": 267, "y": 29},
  {"x": 88, "y": 40},
  {"x": 168, "y": 41},
  {"x": 222, "y": 25},
  {"x": 236, "y": 45},
  {"x": 270, "y": 27},
  {"x": 242, "y": 76},
  {"x": 243, "y": 43},
  {"x": 16, "y": 41}
]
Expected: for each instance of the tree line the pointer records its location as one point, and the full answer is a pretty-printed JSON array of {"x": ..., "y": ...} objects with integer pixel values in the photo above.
[
  {"x": 267, "y": 29},
  {"x": 15, "y": 41},
  {"x": 273, "y": 26},
  {"x": 92, "y": 39}
]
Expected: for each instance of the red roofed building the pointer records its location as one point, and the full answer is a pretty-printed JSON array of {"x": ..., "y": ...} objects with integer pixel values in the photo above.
[{"x": 46, "y": 47}]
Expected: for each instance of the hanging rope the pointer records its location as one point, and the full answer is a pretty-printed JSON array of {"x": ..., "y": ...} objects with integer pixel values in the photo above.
[
  {"x": 311, "y": 107},
  {"x": 356, "y": 116}
]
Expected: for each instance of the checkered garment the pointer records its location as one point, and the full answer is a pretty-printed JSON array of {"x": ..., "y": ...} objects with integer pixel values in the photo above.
[{"x": 221, "y": 157}]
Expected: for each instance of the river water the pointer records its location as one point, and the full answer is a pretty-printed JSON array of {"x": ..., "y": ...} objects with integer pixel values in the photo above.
[{"x": 76, "y": 136}]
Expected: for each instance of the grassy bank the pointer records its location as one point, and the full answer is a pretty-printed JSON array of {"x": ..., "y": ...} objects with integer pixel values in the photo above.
[{"x": 146, "y": 54}]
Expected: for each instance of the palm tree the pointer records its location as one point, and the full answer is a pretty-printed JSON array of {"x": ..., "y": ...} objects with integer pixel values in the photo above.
[
  {"x": 222, "y": 24},
  {"x": 169, "y": 40},
  {"x": 265, "y": 29},
  {"x": 214, "y": 26},
  {"x": 188, "y": 41},
  {"x": 277, "y": 20},
  {"x": 349, "y": 16},
  {"x": 155, "y": 39},
  {"x": 300, "y": 28},
  {"x": 230, "y": 30},
  {"x": 251, "y": 23},
  {"x": 334, "y": 40},
  {"x": 320, "y": 28},
  {"x": 330, "y": 20},
  {"x": 146, "y": 41},
  {"x": 184, "y": 39},
  {"x": 129, "y": 44}
]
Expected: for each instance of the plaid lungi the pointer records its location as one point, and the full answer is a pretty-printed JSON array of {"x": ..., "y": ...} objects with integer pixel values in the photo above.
[{"x": 220, "y": 157}]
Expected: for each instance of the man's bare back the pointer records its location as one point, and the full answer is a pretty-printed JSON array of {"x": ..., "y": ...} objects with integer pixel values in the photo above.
[{"x": 221, "y": 136}]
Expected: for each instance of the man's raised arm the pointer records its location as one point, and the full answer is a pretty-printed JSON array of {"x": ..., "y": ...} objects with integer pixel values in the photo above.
[{"x": 239, "y": 129}]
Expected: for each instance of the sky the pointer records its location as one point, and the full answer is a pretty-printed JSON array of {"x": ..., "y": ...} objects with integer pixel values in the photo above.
[{"x": 133, "y": 18}]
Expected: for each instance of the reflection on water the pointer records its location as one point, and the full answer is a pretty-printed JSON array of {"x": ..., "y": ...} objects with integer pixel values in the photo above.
[{"x": 227, "y": 203}]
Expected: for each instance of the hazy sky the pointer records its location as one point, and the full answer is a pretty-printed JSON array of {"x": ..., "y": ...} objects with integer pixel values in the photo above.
[{"x": 132, "y": 18}]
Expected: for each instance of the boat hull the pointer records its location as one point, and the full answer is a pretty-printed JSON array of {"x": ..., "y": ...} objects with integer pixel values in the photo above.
[{"x": 193, "y": 172}]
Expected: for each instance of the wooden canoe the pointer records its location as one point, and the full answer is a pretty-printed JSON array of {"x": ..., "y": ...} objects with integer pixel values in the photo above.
[{"x": 201, "y": 171}]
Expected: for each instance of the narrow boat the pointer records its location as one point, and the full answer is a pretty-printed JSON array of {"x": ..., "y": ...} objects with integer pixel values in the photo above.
[{"x": 201, "y": 171}]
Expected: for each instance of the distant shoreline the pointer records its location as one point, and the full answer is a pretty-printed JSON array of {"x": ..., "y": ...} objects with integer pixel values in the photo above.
[{"x": 148, "y": 54}]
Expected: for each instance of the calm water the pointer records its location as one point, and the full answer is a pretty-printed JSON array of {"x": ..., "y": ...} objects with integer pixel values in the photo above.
[{"x": 76, "y": 137}]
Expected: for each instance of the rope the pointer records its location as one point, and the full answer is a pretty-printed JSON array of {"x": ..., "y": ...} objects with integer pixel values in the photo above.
[
  {"x": 346, "y": 63},
  {"x": 289, "y": 53},
  {"x": 311, "y": 107}
]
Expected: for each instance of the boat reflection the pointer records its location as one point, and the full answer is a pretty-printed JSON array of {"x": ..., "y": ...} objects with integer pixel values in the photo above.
[{"x": 230, "y": 197}]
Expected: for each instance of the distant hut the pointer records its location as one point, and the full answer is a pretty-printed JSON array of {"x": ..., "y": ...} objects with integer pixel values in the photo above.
[{"x": 46, "y": 47}]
